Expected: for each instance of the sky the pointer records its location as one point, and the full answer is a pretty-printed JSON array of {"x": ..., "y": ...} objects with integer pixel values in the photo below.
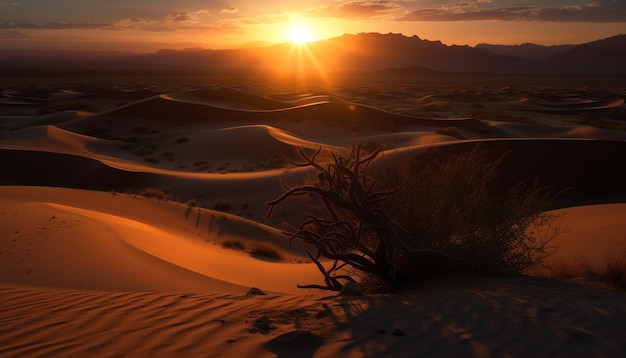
[{"x": 150, "y": 25}]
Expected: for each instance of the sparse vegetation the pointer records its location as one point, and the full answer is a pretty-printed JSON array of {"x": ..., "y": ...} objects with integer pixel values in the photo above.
[
  {"x": 456, "y": 207},
  {"x": 234, "y": 245},
  {"x": 156, "y": 193},
  {"x": 418, "y": 221},
  {"x": 612, "y": 271},
  {"x": 265, "y": 252}
]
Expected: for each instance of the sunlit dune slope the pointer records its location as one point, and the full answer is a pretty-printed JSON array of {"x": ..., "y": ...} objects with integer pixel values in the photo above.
[{"x": 90, "y": 240}]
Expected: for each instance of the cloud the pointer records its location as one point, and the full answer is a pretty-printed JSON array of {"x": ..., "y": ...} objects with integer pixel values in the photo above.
[
  {"x": 264, "y": 19},
  {"x": 355, "y": 9},
  {"x": 136, "y": 23},
  {"x": 51, "y": 26},
  {"x": 595, "y": 11},
  {"x": 13, "y": 34},
  {"x": 9, "y": 3},
  {"x": 186, "y": 17},
  {"x": 230, "y": 10},
  {"x": 183, "y": 20}
]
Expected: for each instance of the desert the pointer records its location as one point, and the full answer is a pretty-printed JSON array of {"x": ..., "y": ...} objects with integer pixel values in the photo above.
[{"x": 135, "y": 225}]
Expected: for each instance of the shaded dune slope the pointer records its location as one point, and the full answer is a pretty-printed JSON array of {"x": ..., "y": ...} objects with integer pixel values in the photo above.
[
  {"x": 585, "y": 170},
  {"x": 242, "y": 109}
]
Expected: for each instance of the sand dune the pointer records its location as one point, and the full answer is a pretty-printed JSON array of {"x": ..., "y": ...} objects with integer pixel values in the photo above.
[
  {"x": 143, "y": 248},
  {"x": 88, "y": 267}
]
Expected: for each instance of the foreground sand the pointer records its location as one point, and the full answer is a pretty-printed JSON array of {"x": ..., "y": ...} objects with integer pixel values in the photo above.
[
  {"x": 126, "y": 280},
  {"x": 492, "y": 317},
  {"x": 86, "y": 270}
]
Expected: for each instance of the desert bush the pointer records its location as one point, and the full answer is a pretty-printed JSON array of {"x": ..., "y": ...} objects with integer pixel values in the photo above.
[
  {"x": 192, "y": 203},
  {"x": 419, "y": 220},
  {"x": 614, "y": 272},
  {"x": 265, "y": 252},
  {"x": 156, "y": 193},
  {"x": 234, "y": 245},
  {"x": 455, "y": 206}
]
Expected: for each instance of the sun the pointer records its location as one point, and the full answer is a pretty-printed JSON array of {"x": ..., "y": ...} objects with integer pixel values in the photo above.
[{"x": 299, "y": 33}]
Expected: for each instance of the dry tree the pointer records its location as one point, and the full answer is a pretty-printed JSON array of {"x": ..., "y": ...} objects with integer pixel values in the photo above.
[{"x": 348, "y": 226}]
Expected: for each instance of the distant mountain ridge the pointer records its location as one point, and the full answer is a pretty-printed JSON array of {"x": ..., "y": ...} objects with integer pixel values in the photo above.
[
  {"x": 360, "y": 52},
  {"x": 527, "y": 51}
]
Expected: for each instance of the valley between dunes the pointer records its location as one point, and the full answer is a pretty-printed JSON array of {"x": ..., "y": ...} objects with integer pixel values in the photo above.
[{"x": 90, "y": 267}]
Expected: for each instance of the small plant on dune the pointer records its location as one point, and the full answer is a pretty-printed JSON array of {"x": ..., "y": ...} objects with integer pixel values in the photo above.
[
  {"x": 416, "y": 221},
  {"x": 221, "y": 205},
  {"x": 614, "y": 272},
  {"x": 611, "y": 272},
  {"x": 156, "y": 193},
  {"x": 234, "y": 245},
  {"x": 192, "y": 203},
  {"x": 265, "y": 252}
]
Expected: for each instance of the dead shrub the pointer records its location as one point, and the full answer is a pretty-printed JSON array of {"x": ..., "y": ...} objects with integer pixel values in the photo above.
[{"x": 455, "y": 206}]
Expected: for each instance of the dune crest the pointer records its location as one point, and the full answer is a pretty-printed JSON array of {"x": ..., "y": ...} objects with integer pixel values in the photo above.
[{"x": 132, "y": 220}]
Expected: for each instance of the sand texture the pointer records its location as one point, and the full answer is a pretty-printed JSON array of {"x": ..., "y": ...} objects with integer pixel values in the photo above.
[{"x": 90, "y": 266}]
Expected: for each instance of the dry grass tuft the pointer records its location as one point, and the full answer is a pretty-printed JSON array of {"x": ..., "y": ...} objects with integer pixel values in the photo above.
[
  {"x": 611, "y": 272},
  {"x": 156, "y": 193},
  {"x": 234, "y": 245},
  {"x": 265, "y": 252}
]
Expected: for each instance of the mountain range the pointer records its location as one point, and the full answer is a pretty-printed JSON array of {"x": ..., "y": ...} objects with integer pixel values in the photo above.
[{"x": 360, "y": 52}]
